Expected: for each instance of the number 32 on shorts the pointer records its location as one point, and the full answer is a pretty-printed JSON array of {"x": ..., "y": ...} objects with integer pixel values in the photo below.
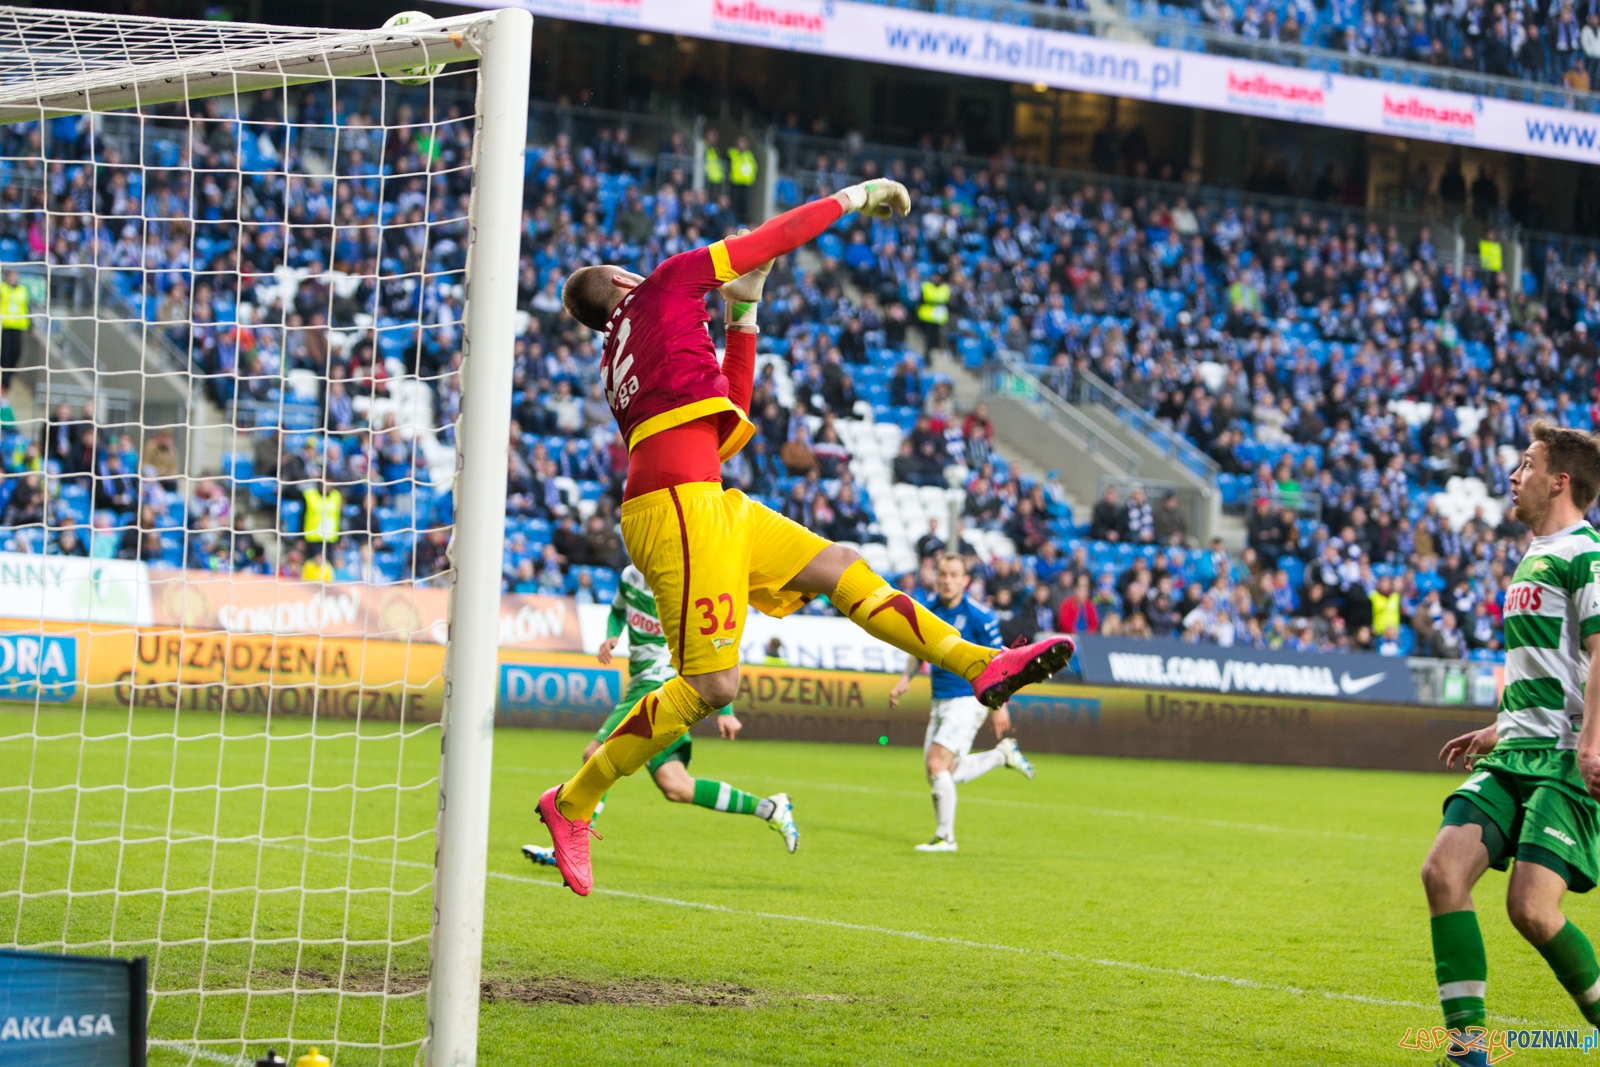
[{"x": 718, "y": 614}]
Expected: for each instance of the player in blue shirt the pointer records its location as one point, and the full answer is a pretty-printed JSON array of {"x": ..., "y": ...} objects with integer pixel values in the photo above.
[{"x": 957, "y": 716}]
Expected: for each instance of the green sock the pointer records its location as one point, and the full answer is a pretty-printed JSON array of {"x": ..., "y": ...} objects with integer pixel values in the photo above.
[
  {"x": 1571, "y": 956},
  {"x": 598, "y": 808},
  {"x": 1461, "y": 967},
  {"x": 720, "y": 796}
]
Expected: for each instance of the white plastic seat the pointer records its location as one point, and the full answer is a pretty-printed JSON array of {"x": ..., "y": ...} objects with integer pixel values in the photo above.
[{"x": 877, "y": 557}]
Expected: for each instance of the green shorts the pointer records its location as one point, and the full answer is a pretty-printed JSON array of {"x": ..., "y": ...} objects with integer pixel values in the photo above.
[
  {"x": 680, "y": 750},
  {"x": 1532, "y": 805}
]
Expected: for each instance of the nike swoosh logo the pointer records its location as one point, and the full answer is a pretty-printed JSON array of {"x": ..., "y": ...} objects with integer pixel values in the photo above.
[{"x": 1352, "y": 686}]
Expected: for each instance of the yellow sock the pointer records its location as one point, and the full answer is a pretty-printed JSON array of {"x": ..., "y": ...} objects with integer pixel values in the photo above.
[
  {"x": 659, "y": 719},
  {"x": 888, "y": 614}
]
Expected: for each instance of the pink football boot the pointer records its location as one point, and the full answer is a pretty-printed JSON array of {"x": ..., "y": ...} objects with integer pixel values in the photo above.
[
  {"x": 570, "y": 838},
  {"x": 1013, "y": 668}
]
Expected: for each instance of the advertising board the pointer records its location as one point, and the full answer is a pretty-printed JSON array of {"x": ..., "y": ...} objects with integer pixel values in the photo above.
[
  {"x": 71, "y": 1011},
  {"x": 1164, "y": 664},
  {"x": 880, "y": 33},
  {"x": 212, "y": 673},
  {"x": 258, "y": 604},
  {"x": 246, "y": 645},
  {"x": 1104, "y": 720},
  {"x": 74, "y": 588}
]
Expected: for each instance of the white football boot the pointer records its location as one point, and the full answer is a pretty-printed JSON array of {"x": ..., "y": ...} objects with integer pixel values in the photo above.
[
  {"x": 1014, "y": 757},
  {"x": 782, "y": 820}
]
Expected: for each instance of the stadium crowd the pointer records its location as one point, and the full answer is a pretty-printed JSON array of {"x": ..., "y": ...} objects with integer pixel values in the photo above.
[
  {"x": 1555, "y": 42},
  {"x": 295, "y": 297},
  {"x": 1338, "y": 377}
]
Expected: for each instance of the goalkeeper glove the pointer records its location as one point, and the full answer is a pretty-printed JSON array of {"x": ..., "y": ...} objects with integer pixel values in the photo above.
[
  {"x": 880, "y": 198},
  {"x": 740, "y": 313},
  {"x": 741, "y": 295}
]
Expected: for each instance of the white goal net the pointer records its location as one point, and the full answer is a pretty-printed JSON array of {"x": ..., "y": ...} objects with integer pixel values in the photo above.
[{"x": 257, "y": 288}]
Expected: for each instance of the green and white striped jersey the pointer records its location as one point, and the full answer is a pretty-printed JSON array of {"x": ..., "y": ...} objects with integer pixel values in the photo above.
[
  {"x": 1552, "y": 606},
  {"x": 635, "y": 608}
]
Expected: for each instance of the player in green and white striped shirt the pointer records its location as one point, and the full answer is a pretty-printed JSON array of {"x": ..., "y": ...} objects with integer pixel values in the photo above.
[
  {"x": 649, "y": 668},
  {"x": 1537, "y": 769}
]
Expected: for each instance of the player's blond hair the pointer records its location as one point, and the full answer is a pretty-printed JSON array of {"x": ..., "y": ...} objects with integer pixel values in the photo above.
[
  {"x": 953, "y": 557},
  {"x": 1573, "y": 453}
]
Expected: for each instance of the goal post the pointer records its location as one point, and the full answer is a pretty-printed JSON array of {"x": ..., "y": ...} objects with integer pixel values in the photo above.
[
  {"x": 254, "y": 433},
  {"x": 471, "y": 681}
]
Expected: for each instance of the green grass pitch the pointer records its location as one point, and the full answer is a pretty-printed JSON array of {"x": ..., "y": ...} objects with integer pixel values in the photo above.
[{"x": 1109, "y": 912}]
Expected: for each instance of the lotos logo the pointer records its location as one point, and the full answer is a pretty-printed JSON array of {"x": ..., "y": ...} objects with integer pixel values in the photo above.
[
  {"x": 1417, "y": 111},
  {"x": 752, "y": 13},
  {"x": 644, "y": 623},
  {"x": 1525, "y": 596},
  {"x": 1264, "y": 88}
]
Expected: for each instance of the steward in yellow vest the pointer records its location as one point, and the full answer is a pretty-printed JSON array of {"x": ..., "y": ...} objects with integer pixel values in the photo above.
[
  {"x": 934, "y": 312},
  {"x": 935, "y": 307},
  {"x": 741, "y": 164},
  {"x": 716, "y": 174},
  {"x": 14, "y": 323},
  {"x": 324, "y": 510},
  {"x": 13, "y": 303},
  {"x": 742, "y": 175},
  {"x": 1385, "y": 607}
]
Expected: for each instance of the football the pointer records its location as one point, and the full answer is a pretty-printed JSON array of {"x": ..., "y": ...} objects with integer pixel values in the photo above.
[{"x": 412, "y": 75}]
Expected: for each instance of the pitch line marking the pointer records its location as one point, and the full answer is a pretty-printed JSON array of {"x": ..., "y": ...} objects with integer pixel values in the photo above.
[
  {"x": 1066, "y": 957},
  {"x": 1114, "y": 813},
  {"x": 198, "y": 1052},
  {"x": 1110, "y": 813},
  {"x": 913, "y": 935}
]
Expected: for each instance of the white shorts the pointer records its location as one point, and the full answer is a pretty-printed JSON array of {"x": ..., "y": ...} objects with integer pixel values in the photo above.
[{"x": 954, "y": 724}]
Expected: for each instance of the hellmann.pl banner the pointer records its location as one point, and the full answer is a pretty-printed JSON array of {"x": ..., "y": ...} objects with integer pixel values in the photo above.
[
  {"x": 954, "y": 45},
  {"x": 1159, "y": 664}
]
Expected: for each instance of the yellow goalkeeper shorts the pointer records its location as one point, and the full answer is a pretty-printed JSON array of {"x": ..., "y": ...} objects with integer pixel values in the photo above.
[{"x": 708, "y": 554}]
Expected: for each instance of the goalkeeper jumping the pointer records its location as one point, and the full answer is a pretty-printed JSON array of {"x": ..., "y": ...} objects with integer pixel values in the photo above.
[{"x": 708, "y": 553}]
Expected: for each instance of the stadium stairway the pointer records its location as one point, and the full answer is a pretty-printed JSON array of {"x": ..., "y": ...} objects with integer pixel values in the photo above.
[
  {"x": 1024, "y": 432},
  {"x": 96, "y": 348},
  {"x": 1033, "y": 444},
  {"x": 1158, "y": 463}
]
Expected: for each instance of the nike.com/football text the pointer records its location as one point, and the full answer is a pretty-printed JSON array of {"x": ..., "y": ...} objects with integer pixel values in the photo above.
[{"x": 1199, "y": 672}]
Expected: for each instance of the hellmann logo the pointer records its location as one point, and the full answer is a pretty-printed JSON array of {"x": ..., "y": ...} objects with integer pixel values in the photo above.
[
  {"x": 1415, "y": 110},
  {"x": 1262, "y": 87},
  {"x": 1195, "y": 672},
  {"x": 752, "y": 13}
]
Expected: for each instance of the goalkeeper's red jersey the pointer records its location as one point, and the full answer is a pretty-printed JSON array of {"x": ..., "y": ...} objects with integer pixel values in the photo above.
[{"x": 659, "y": 367}]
